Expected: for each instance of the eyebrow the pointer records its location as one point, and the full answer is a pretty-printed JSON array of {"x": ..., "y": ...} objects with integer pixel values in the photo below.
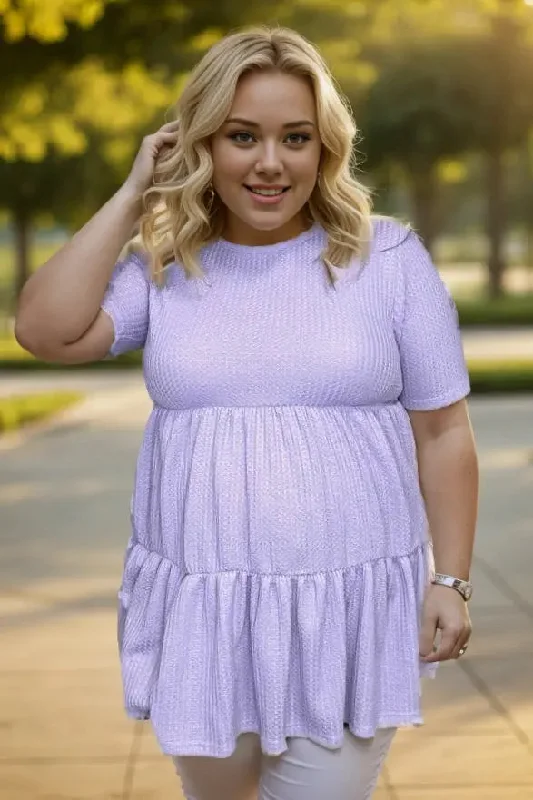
[{"x": 250, "y": 124}]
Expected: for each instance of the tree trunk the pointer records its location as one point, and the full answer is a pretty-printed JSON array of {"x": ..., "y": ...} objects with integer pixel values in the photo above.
[
  {"x": 496, "y": 222},
  {"x": 424, "y": 189},
  {"x": 529, "y": 257},
  {"x": 21, "y": 225}
]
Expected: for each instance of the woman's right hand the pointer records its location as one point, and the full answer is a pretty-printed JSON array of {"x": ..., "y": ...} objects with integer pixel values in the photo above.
[{"x": 142, "y": 172}]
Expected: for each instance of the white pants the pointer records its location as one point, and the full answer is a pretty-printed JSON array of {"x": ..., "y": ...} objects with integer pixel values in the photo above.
[{"x": 305, "y": 771}]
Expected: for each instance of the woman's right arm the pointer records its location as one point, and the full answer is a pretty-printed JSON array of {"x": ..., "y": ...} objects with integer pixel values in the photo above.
[{"x": 59, "y": 316}]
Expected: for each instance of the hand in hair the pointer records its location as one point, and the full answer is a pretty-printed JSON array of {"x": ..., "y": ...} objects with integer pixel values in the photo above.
[
  {"x": 59, "y": 316},
  {"x": 142, "y": 171}
]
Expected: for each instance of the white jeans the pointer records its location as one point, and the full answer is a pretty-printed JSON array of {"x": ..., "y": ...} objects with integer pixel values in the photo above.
[{"x": 305, "y": 771}]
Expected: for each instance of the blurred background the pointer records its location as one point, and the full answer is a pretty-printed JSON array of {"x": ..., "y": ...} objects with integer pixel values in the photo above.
[{"x": 442, "y": 91}]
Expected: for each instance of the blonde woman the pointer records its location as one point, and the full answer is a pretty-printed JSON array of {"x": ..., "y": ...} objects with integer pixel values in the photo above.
[{"x": 279, "y": 602}]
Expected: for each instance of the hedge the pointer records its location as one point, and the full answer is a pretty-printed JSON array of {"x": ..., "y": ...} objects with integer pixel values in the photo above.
[
  {"x": 508, "y": 311},
  {"x": 506, "y": 376}
]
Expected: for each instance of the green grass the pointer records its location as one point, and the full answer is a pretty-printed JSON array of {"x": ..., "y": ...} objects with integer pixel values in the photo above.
[{"x": 19, "y": 410}]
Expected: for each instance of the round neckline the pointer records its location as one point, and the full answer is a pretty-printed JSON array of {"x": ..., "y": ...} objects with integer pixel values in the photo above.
[{"x": 268, "y": 249}]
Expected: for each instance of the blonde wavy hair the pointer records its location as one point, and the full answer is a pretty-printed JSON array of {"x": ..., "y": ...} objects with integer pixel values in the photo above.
[{"x": 181, "y": 215}]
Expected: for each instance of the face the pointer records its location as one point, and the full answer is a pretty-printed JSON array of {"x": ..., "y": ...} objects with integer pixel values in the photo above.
[{"x": 266, "y": 157}]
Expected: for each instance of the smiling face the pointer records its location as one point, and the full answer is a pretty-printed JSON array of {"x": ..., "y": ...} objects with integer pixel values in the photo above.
[{"x": 266, "y": 157}]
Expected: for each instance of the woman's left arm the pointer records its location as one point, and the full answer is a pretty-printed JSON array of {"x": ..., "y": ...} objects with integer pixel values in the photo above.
[{"x": 449, "y": 478}]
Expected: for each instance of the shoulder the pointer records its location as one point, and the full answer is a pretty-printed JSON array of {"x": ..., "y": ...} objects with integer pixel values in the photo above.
[
  {"x": 133, "y": 253},
  {"x": 388, "y": 234},
  {"x": 133, "y": 260}
]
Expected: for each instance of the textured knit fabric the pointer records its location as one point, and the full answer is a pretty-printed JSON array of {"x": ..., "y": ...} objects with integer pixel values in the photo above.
[{"x": 279, "y": 549}]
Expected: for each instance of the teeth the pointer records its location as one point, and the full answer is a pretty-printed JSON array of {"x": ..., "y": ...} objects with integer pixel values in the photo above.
[{"x": 267, "y": 191}]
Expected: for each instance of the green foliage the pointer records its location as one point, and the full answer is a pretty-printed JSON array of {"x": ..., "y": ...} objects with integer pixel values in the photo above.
[
  {"x": 506, "y": 311},
  {"x": 19, "y": 410},
  {"x": 494, "y": 377},
  {"x": 498, "y": 85},
  {"x": 47, "y": 22},
  {"x": 435, "y": 97},
  {"x": 84, "y": 80},
  {"x": 416, "y": 112}
]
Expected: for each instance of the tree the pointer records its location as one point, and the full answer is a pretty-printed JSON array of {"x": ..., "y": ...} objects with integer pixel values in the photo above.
[
  {"x": 469, "y": 91},
  {"x": 90, "y": 76},
  {"x": 90, "y": 124},
  {"x": 414, "y": 116},
  {"x": 81, "y": 67},
  {"x": 499, "y": 84},
  {"x": 521, "y": 197}
]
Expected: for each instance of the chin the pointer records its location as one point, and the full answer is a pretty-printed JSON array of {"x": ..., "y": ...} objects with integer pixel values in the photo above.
[
  {"x": 270, "y": 220},
  {"x": 267, "y": 225}
]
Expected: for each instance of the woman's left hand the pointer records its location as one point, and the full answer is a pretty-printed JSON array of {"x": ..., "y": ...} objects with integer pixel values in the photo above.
[{"x": 444, "y": 610}]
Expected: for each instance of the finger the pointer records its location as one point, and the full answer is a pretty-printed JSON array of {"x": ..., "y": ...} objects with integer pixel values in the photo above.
[
  {"x": 427, "y": 636},
  {"x": 164, "y": 136},
  {"x": 167, "y": 138},
  {"x": 459, "y": 650},
  {"x": 447, "y": 644},
  {"x": 161, "y": 140},
  {"x": 461, "y": 642},
  {"x": 170, "y": 126},
  {"x": 166, "y": 149}
]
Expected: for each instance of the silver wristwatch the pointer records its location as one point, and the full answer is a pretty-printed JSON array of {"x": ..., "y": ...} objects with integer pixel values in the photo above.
[{"x": 463, "y": 587}]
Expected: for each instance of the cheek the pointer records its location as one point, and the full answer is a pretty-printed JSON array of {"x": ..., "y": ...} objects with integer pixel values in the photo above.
[
  {"x": 229, "y": 164},
  {"x": 305, "y": 168},
  {"x": 306, "y": 172}
]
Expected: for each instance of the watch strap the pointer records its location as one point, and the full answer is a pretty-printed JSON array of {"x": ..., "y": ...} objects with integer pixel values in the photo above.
[{"x": 463, "y": 587}]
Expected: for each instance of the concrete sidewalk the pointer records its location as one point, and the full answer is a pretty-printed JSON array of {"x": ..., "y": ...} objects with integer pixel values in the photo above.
[
  {"x": 64, "y": 499},
  {"x": 493, "y": 343}
]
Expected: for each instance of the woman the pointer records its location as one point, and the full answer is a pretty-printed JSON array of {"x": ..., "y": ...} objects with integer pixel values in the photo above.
[{"x": 278, "y": 603}]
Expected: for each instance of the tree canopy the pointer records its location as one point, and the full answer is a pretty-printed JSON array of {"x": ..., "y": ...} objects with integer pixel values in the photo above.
[{"x": 82, "y": 80}]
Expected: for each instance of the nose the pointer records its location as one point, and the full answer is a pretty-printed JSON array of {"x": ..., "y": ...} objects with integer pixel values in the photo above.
[{"x": 269, "y": 162}]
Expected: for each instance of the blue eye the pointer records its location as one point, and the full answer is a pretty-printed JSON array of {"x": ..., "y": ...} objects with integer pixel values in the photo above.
[
  {"x": 235, "y": 137},
  {"x": 245, "y": 137},
  {"x": 303, "y": 137}
]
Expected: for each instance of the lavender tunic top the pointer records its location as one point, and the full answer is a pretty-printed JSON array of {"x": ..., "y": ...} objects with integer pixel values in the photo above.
[{"x": 279, "y": 549}]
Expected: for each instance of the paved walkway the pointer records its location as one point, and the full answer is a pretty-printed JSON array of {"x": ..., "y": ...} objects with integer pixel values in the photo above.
[
  {"x": 493, "y": 343},
  {"x": 64, "y": 497}
]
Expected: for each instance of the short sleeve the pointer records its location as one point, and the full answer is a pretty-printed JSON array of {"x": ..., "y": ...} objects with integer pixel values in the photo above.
[
  {"x": 126, "y": 301},
  {"x": 433, "y": 365}
]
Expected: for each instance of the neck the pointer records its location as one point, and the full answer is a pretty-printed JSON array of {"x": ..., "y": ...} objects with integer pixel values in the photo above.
[{"x": 238, "y": 232}]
